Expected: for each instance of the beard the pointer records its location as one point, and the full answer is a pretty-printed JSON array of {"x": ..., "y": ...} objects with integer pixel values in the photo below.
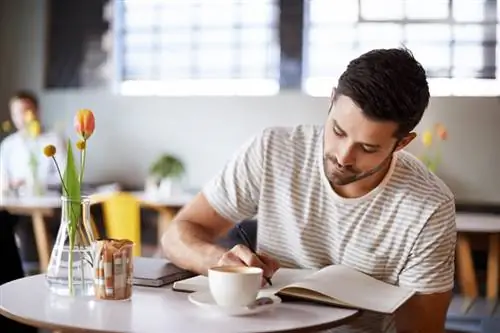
[{"x": 338, "y": 175}]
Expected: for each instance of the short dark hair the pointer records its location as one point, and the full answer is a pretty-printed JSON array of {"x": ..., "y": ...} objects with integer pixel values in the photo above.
[
  {"x": 27, "y": 95},
  {"x": 388, "y": 85}
]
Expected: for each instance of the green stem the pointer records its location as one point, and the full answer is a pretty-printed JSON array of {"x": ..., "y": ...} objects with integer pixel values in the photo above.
[
  {"x": 70, "y": 257},
  {"x": 70, "y": 227},
  {"x": 82, "y": 161},
  {"x": 60, "y": 176},
  {"x": 82, "y": 266}
]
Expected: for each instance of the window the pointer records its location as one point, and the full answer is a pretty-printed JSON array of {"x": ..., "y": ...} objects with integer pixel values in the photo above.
[
  {"x": 190, "y": 47},
  {"x": 456, "y": 41}
]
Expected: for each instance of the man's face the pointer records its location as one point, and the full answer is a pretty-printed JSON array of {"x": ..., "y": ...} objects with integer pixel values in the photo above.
[
  {"x": 356, "y": 147},
  {"x": 18, "y": 111}
]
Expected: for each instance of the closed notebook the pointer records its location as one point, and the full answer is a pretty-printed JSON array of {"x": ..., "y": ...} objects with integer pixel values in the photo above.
[
  {"x": 157, "y": 272},
  {"x": 335, "y": 285}
]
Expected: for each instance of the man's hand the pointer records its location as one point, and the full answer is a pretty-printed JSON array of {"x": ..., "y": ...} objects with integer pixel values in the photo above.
[{"x": 241, "y": 255}]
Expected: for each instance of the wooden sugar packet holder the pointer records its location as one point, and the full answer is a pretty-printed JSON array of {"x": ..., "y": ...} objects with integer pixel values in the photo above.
[{"x": 113, "y": 268}]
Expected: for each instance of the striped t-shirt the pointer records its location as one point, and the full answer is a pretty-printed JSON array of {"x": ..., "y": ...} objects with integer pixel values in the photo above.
[{"x": 402, "y": 232}]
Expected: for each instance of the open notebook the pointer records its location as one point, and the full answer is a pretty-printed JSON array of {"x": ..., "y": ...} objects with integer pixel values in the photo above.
[{"x": 335, "y": 285}]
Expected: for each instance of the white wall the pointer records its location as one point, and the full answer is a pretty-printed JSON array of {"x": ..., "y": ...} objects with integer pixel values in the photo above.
[{"x": 204, "y": 131}]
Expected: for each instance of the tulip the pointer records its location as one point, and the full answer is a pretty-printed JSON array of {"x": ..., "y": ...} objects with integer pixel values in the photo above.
[
  {"x": 6, "y": 126},
  {"x": 442, "y": 132},
  {"x": 29, "y": 116},
  {"x": 80, "y": 144},
  {"x": 84, "y": 123},
  {"x": 34, "y": 128},
  {"x": 427, "y": 138}
]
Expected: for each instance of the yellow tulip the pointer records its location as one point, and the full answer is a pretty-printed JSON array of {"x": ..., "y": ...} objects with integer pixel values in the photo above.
[
  {"x": 34, "y": 129},
  {"x": 6, "y": 126},
  {"x": 29, "y": 116},
  {"x": 427, "y": 138},
  {"x": 80, "y": 144}
]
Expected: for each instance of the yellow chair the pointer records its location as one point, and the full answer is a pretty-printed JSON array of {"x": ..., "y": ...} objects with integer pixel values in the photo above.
[{"x": 122, "y": 216}]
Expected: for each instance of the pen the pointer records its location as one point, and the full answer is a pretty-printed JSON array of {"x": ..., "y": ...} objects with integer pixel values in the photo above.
[{"x": 243, "y": 235}]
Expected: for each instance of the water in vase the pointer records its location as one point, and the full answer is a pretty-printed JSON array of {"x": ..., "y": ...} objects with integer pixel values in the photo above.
[{"x": 57, "y": 275}]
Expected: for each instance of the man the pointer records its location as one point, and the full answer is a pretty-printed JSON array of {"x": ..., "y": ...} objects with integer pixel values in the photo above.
[
  {"x": 15, "y": 172},
  {"x": 344, "y": 193},
  {"x": 15, "y": 149}
]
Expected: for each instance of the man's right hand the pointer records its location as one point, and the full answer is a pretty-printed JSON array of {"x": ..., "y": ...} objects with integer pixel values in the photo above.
[{"x": 241, "y": 255}]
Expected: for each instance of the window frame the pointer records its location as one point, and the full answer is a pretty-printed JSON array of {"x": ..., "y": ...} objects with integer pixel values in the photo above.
[
  {"x": 259, "y": 86},
  {"x": 439, "y": 86},
  {"x": 293, "y": 42}
]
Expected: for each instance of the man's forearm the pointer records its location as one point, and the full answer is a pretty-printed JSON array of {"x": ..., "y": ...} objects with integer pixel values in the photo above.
[{"x": 191, "y": 247}]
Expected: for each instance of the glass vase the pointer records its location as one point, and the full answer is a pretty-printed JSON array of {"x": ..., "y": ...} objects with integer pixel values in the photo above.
[{"x": 70, "y": 271}]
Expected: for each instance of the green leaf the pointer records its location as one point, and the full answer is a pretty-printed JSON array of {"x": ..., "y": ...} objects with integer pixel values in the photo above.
[{"x": 73, "y": 194}]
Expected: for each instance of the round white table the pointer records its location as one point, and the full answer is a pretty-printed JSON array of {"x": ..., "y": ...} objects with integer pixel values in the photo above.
[{"x": 152, "y": 310}]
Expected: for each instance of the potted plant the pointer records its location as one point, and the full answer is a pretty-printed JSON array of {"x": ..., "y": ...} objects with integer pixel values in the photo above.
[{"x": 165, "y": 172}]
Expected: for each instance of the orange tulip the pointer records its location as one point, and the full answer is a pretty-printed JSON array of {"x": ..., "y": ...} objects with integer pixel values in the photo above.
[
  {"x": 442, "y": 132},
  {"x": 85, "y": 123}
]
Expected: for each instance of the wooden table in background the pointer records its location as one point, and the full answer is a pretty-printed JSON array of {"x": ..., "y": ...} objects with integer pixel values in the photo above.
[
  {"x": 468, "y": 223},
  {"x": 171, "y": 206},
  {"x": 38, "y": 208}
]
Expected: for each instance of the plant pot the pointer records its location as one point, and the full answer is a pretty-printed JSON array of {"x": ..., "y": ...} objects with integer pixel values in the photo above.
[
  {"x": 70, "y": 272},
  {"x": 167, "y": 187},
  {"x": 151, "y": 186}
]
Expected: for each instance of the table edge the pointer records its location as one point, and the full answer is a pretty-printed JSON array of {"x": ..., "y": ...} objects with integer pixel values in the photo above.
[
  {"x": 48, "y": 326},
  {"x": 326, "y": 326},
  {"x": 54, "y": 327}
]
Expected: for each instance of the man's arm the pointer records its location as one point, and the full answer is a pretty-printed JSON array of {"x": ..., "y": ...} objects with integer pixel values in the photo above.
[
  {"x": 424, "y": 313},
  {"x": 230, "y": 197},
  {"x": 430, "y": 270},
  {"x": 189, "y": 240}
]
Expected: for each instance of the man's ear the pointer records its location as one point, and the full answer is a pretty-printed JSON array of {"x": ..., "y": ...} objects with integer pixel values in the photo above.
[{"x": 405, "y": 141}]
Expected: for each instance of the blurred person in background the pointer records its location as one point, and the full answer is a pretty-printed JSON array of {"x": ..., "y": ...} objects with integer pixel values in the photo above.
[
  {"x": 16, "y": 160},
  {"x": 17, "y": 147}
]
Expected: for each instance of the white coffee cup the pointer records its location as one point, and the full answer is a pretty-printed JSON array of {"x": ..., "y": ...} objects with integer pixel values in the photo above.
[{"x": 234, "y": 286}]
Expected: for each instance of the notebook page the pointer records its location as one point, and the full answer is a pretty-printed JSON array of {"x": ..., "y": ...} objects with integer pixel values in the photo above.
[
  {"x": 355, "y": 288},
  {"x": 281, "y": 278}
]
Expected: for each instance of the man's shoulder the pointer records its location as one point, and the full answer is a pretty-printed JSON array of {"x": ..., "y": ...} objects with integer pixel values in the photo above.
[
  {"x": 302, "y": 135},
  {"x": 9, "y": 140},
  {"x": 51, "y": 135},
  {"x": 420, "y": 181}
]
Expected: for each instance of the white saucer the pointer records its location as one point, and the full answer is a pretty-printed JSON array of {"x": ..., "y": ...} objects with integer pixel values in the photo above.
[{"x": 205, "y": 300}]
